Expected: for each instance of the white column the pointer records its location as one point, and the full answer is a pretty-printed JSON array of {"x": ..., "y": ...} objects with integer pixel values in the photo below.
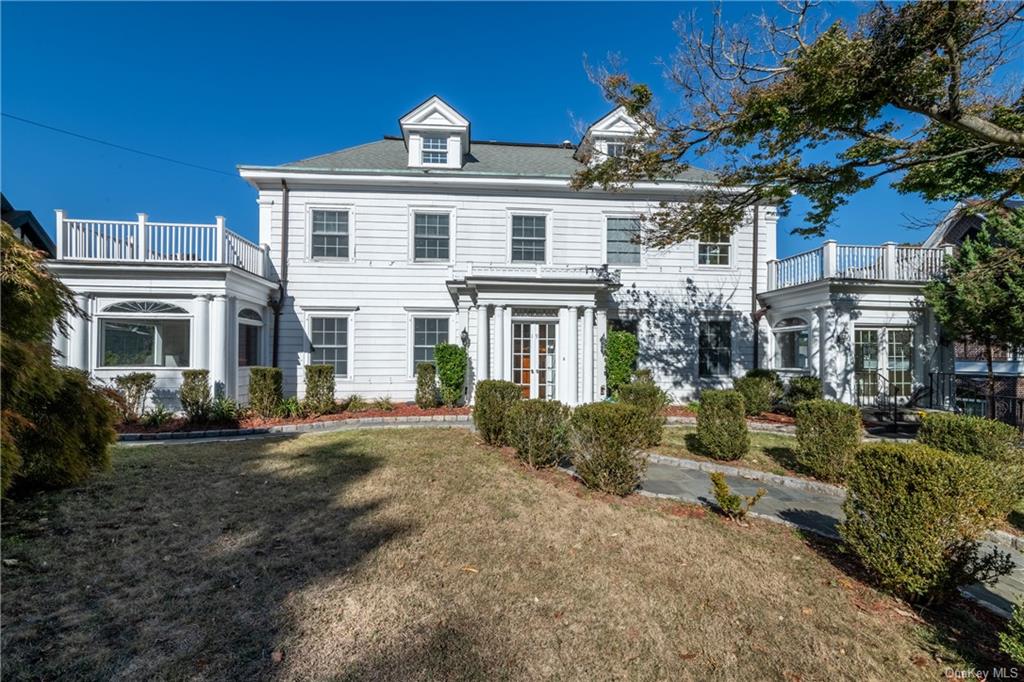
[
  {"x": 218, "y": 344},
  {"x": 588, "y": 355},
  {"x": 482, "y": 341},
  {"x": 78, "y": 341},
  {"x": 60, "y": 233},
  {"x": 201, "y": 357},
  {"x": 816, "y": 343},
  {"x": 230, "y": 386},
  {"x": 602, "y": 336},
  {"x": 500, "y": 370},
  {"x": 572, "y": 356}
]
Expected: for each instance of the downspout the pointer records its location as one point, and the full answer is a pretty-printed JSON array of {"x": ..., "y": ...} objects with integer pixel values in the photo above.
[
  {"x": 754, "y": 310},
  {"x": 282, "y": 281}
]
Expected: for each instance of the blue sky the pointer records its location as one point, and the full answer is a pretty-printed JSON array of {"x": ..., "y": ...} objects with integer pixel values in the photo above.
[{"x": 222, "y": 84}]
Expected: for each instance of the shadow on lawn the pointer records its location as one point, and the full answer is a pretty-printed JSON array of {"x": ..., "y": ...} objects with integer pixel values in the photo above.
[{"x": 183, "y": 568}]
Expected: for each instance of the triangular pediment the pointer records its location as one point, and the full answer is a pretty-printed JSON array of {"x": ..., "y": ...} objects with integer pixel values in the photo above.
[
  {"x": 617, "y": 122},
  {"x": 434, "y": 112}
]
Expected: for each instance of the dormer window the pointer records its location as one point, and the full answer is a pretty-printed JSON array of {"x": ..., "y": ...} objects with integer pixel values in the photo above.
[
  {"x": 435, "y": 150},
  {"x": 616, "y": 149}
]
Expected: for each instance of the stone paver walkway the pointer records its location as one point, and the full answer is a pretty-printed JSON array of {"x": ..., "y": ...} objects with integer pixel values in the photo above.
[{"x": 820, "y": 513}]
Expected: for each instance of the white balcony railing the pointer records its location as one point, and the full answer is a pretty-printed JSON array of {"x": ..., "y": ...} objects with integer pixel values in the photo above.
[
  {"x": 148, "y": 242},
  {"x": 887, "y": 262}
]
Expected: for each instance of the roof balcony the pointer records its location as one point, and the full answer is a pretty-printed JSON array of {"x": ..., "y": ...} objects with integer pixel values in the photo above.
[
  {"x": 831, "y": 261},
  {"x": 143, "y": 241}
]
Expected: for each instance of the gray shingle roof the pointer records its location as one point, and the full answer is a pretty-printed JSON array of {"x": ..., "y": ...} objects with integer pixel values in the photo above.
[{"x": 485, "y": 158}]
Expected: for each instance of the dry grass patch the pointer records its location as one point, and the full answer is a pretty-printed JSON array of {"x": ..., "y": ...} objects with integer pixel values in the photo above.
[{"x": 418, "y": 554}]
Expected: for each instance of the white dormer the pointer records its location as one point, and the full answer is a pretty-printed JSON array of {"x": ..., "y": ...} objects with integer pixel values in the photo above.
[
  {"x": 608, "y": 136},
  {"x": 436, "y": 135}
]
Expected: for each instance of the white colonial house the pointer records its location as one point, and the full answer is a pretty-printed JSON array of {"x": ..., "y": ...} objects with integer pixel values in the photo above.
[{"x": 371, "y": 255}]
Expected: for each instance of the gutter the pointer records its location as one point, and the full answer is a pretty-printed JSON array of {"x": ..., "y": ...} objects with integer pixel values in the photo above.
[{"x": 282, "y": 282}]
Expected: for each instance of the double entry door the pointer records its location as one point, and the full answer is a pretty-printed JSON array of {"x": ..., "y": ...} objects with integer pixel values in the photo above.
[
  {"x": 883, "y": 364},
  {"x": 534, "y": 359}
]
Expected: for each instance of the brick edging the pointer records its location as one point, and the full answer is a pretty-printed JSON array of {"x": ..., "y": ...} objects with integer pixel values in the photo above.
[{"x": 752, "y": 474}]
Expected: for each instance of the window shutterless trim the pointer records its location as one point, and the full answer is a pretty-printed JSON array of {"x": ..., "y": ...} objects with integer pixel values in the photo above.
[
  {"x": 605, "y": 256},
  {"x": 347, "y": 313},
  {"x": 452, "y": 214},
  {"x": 411, "y": 317},
  {"x": 548, "y": 215},
  {"x": 308, "y": 233}
]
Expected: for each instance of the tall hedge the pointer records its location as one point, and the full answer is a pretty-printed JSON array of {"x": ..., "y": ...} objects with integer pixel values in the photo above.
[
  {"x": 914, "y": 517},
  {"x": 828, "y": 434},
  {"x": 319, "y": 389},
  {"x": 721, "y": 425},
  {"x": 968, "y": 435},
  {"x": 621, "y": 349},
  {"x": 492, "y": 401},
  {"x": 647, "y": 396},
  {"x": 608, "y": 439},
  {"x": 426, "y": 385},
  {"x": 539, "y": 431},
  {"x": 266, "y": 391},
  {"x": 194, "y": 394},
  {"x": 452, "y": 361}
]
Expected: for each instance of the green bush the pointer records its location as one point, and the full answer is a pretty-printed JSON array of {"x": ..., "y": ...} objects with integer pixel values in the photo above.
[
  {"x": 224, "y": 411},
  {"x": 914, "y": 515},
  {"x": 134, "y": 388},
  {"x": 426, "y": 385},
  {"x": 607, "y": 446},
  {"x": 266, "y": 391},
  {"x": 828, "y": 434},
  {"x": 319, "y": 390},
  {"x": 736, "y": 507},
  {"x": 290, "y": 408},
  {"x": 760, "y": 373},
  {"x": 539, "y": 431},
  {"x": 1011, "y": 642},
  {"x": 968, "y": 435},
  {"x": 194, "y": 394},
  {"x": 759, "y": 393},
  {"x": 452, "y": 362},
  {"x": 383, "y": 403},
  {"x": 621, "y": 349},
  {"x": 721, "y": 425},
  {"x": 356, "y": 403},
  {"x": 157, "y": 416},
  {"x": 646, "y": 395},
  {"x": 803, "y": 388},
  {"x": 491, "y": 403},
  {"x": 71, "y": 438}
]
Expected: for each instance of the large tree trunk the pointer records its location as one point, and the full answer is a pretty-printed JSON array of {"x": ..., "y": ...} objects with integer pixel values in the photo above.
[{"x": 991, "y": 381}]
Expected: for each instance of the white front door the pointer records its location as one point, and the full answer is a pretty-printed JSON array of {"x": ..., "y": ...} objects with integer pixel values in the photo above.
[{"x": 533, "y": 358}]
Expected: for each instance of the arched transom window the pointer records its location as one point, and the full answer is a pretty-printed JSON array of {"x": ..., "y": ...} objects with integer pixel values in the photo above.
[
  {"x": 250, "y": 326},
  {"x": 791, "y": 344}
]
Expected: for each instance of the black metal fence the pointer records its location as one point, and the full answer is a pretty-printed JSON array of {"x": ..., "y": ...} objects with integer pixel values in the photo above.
[{"x": 970, "y": 395}]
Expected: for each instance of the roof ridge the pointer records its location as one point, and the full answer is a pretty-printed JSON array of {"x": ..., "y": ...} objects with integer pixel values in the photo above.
[{"x": 551, "y": 145}]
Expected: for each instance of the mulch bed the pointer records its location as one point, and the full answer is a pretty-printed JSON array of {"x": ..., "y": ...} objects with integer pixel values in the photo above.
[{"x": 764, "y": 417}]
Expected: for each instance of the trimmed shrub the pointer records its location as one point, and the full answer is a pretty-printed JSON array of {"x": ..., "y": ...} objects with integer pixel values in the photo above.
[
  {"x": 968, "y": 435},
  {"x": 607, "y": 443},
  {"x": 290, "y": 408},
  {"x": 648, "y": 396},
  {"x": 721, "y": 425},
  {"x": 1011, "y": 642},
  {"x": 224, "y": 411},
  {"x": 356, "y": 403},
  {"x": 914, "y": 515},
  {"x": 538, "y": 430},
  {"x": 319, "y": 390},
  {"x": 426, "y": 385},
  {"x": 383, "y": 403},
  {"x": 759, "y": 393},
  {"x": 194, "y": 394},
  {"x": 621, "y": 349},
  {"x": 266, "y": 392},
  {"x": 452, "y": 362},
  {"x": 828, "y": 434},
  {"x": 491, "y": 403},
  {"x": 732, "y": 505},
  {"x": 761, "y": 373},
  {"x": 803, "y": 388},
  {"x": 134, "y": 388},
  {"x": 157, "y": 417}
]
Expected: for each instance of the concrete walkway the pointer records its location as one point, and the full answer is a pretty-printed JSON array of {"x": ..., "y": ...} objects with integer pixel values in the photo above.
[{"x": 816, "y": 511}]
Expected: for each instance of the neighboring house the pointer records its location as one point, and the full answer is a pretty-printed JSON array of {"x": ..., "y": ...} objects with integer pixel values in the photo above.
[
  {"x": 26, "y": 227},
  {"x": 371, "y": 255}
]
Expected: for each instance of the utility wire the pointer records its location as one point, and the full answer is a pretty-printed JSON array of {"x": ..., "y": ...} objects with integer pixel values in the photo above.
[{"x": 116, "y": 146}]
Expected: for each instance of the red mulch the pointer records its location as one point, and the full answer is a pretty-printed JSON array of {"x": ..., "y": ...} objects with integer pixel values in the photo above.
[
  {"x": 180, "y": 424},
  {"x": 764, "y": 417}
]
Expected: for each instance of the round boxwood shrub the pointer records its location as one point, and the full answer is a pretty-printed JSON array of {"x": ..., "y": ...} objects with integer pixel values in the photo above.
[
  {"x": 319, "y": 390},
  {"x": 194, "y": 394},
  {"x": 648, "y": 396},
  {"x": 759, "y": 393},
  {"x": 914, "y": 515},
  {"x": 828, "y": 434},
  {"x": 426, "y": 385},
  {"x": 491, "y": 403},
  {"x": 538, "y": 430},
  {"x": 607, "y": 446},
  {"x": 266, "y": 392},
  {"x": 621, "y": 349},
  {"x": 452, "y": 362},
  {"x": 721, "y": 425},
  {"x": 803, "y": 388},
  {"x": 968, "y": 435}
]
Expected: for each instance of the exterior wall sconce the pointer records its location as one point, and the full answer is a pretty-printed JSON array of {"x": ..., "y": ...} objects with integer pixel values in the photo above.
[{"x": 465, "y": 339}]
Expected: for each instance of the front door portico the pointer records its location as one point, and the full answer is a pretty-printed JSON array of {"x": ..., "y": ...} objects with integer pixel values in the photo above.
[{"x": 534, "y": 362}]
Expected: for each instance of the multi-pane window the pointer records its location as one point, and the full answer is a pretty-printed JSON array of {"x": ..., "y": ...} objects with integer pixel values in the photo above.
[
  {"x": 615, "y": 149},
  {"x": 330, "y": 234},
  {"x": 250, "y": 328},
  {"x": 529, "y": 236},
  {"x": 714, "y": 250},
  {"x": 900, "y": 358},
  {"x": 715, "y": 348},
  {"x": 427, "y": 333},
  {"x": 866, "y": 364},
  {"x": 435, "y": 150},
  {"x": 432, "y": 236},
  {"x": 791, "y": 344},
  {"x": 330, "y": 343},
  {"x": 623, "y": 241}
]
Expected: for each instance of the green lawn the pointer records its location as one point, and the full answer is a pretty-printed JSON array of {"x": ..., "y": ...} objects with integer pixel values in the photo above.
[
  {"x": 769, "y": 452},
  {"x": 419, "y": 554}
]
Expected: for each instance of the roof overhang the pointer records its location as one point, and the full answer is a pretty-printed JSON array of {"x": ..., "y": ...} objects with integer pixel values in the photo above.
[{"x": 536, "y": 292}]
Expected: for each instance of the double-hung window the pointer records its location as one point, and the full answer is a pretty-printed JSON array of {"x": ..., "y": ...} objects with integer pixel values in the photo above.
[
  {"x": 427, "y": 333},
  {"x": 435, "y": 150},
  {"x": 791, "y": 347},
  {"x": 623, "y": 241},
  {"x": 432, "y": 236},
  {"x": 330, "y": 234},
  {"x": 529, "y": 239},
  {"x": 714, "y": 250},
  {"x": 715, "y": 348},
  {"x": 615, "y": 149},
  {"x": 329, "y": 336}
]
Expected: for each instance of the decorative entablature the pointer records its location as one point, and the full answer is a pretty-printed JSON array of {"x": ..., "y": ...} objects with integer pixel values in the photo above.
[
  {"x": 608, "y": 136},
  {"x": 436, "y": 135}
]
